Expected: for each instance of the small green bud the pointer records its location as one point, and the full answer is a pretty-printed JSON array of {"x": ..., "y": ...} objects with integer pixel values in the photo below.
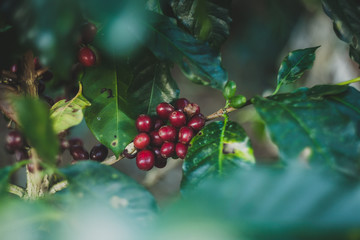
[
  {"x": 238, "y": 101},
  {"x": 229, "y": 90}
]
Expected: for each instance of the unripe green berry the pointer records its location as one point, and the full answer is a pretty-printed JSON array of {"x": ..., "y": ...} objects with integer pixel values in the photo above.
[
  {"x": 237, "y": 101},
  {"x": 229, "y": 90}
]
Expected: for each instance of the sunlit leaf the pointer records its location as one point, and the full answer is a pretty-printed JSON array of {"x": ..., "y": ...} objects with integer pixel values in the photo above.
[
  {"x": 319, "y": 125},
  {"x": 218, "y": 149}
]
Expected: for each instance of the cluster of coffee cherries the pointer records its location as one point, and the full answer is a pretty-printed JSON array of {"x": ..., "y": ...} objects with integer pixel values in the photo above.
[
  {"x": 15, "y": 144},
  {"x": 86, "y": 55},
  {"x": 168, "y": 134}
]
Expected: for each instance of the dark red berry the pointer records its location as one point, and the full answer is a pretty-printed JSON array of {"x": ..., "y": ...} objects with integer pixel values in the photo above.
[
  {"x": 144, "y": 123},
  {"x": 21, "y": 154},
  {"x": 181, "y": 103},
  {"x": 142, "y": 140},
  {"x": 167, "y": 133},
  {"x": 185, "y": 135},
  {"x": 14, "y": 68},
  {"x": 88, "y": 32},
  {"x": 160, "y": 162},
  {"x": 145, "y": 160},
  {"x": 87, "y": 57},
  {"x": 197, "y": 122},
  {"x": 158, "y": 123},
  {"x": 192, "y": 109},
  {"x": 128, "y": 155},
  {"x": 156, "y": 140},
  {"x": 31, "y": 167},
  {"x": 177, "y": 118},
  {"x": 181, "y": 150},
  {"x": 167, "y": 149},
  {"x": 79, "y": 153},
  {"x": 14, "y": 140},
  {"x": 164, "y": 109},
  {"x": 75, "y": 142},
  {"x": 41, "y": 87},
  {"x": 64, "y": 144},
  {"x": 8, "y": 149},
  {"x": 99, "y": 153},
  {"x": 47, "y": 76}
]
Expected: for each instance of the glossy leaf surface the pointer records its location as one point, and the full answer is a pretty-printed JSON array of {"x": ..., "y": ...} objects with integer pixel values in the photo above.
[
  {"x": 320, "y": 124},
  {"x": 217, "y": 149}
]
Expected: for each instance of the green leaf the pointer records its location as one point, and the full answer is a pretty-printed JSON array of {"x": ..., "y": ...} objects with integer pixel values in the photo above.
[
  {"x": 207, "y": 20},
  {"x": 198, "y": 61},
  {"x": 320, "y": 124},
  {"x": 106, "y": 89},
  {"x": 37, "y": 127},
  {"x": 295, "y": 64},
  {"x": 94, "y": 182},
  {"x": 66, "y": 114},
  {"x": 217, "y": 149},
  {"x": 265, "y": 203},
  {"x": 345, "y": 15}
]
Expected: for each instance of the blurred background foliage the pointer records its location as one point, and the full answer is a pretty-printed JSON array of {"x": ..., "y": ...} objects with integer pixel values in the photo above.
[{"x": 261, "y": 33}]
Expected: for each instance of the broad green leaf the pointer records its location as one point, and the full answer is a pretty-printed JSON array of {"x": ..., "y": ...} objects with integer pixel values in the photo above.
[
  {"x": 346, "y": 22},
  {"x": 295, "y": 64},
  {"x": 152, "y": 84},
  {"x": 94, "y": 182},
  {"x": 320, "y": 124},
  {"x": 207, "y": 20},
  {"x": 198, "y": 61},
  {"x": 106, "y": 90},
  {"x": 66, "y": 114},
  {"x": 265, "y": 203},
  {"x": 217, "y": 149},
  {"x": 36, "y": 125}
]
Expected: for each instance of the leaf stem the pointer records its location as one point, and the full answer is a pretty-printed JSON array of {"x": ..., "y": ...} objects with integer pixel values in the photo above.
[
  {"x": 349, "y": 81},
  {"x": 277, "y": 89}
]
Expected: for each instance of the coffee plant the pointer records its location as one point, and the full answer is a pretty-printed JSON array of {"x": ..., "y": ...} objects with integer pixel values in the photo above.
[{"x": 109, "y": 64}]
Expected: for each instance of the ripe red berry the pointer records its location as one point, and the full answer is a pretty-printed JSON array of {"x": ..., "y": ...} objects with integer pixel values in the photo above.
[
  {"x": 79, "y": 153},
  {"x": 142, "y": 140},
  {"x": 164, "y": 109},
  {"x": 145, "y": 160},
  {"x": 144, "y": 123},
  {"x": 14, "y": 140},
  {"x": 14, "y": 68},
  {"x": 75, "y": 142},
  {"x": 88, "y": 32},
  {"x": 167, "y": 133},
  {"x": 185, "y": 135},
  {"x": 167, "y": 149},
  {"x": 181, "y": 150},
  {"x": 21, "y": 154},
  {"x": 158, "y": 123},
  {"x": 181, "y": 103},
  {"x": 99, "y": 152},
  {"x": 192, "y": 109},
  {"x": 156, "y": 140},
  {"x": 177, "y": 118},
  {"x": 197, "y": 122},
  {"x": 160, "y": 162},
  {"x": 86, "y": 57}
]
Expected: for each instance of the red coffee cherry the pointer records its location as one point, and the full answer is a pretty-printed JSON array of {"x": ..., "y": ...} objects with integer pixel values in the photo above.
[
  {"x": 192, "y": 109},
  {"x": 156, "y": 140},
  {"x": 142, "y": 140},
  {"x": 75, "y": 142},
  {"x": 181, "y": 150},
  {"x": 14, "y": 140},
  {"x": 177, "y": 118},
  {"x": 99, "y": 152},
  {"x": 167, "y": 149},
  {"x": 14, "y": 68},
  {"x": 87, "y": 57},
  {"x": 158, "y": 123},
  {"x": 160, "y": 162},
  {"x": 181, "y": 103},
  {"x": 197, "y": 122},
  {"x": 21, "y": 154},
  {"x": 164, "y": 109},
  {"x": 88, "y": 32},
  {"x": 167, "y": 133},
  {"x": 145, "y": 160},
  {"x": 144, "y": 123},
  {"x": 79, "y": 153},
  {"x": 185, "y": 135}
]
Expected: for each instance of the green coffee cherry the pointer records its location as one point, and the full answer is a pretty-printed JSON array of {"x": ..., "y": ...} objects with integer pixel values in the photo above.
[
  {"x": 237, "y": 101},
  {"x": 229, "y": 90}
]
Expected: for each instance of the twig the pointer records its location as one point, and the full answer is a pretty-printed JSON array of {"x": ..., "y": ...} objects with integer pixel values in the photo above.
[
  {"x": 16, "y": 190},
  {"x": 222, "y": 111},
  {"x": 58, "y": 187},
  {"x": 40, "y": 72},
  {"x": 130, "y": 148}
]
